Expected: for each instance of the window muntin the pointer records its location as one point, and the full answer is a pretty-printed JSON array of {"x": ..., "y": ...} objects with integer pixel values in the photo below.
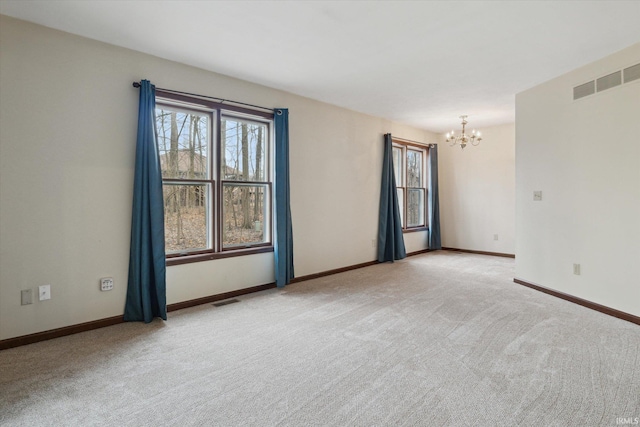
[
  {"x": 409, "y": 163},
  {"x": 216, "y": 179}
]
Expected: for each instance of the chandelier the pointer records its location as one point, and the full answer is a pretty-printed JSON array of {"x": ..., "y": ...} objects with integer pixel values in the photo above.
[{"x": 463, "y": 139}]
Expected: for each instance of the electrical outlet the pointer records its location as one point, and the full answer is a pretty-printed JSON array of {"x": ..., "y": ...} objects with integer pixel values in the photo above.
[
  {"x": 26, "y": 297},
  {"x": 106, "y": 283},
  {"x": 537, "y": 196},
  {"x": 373, "y": 243},
  {"x": 495, "y": 237},
  {"x": 44, "y": 292},
  {"x": 576, "y": 269}
]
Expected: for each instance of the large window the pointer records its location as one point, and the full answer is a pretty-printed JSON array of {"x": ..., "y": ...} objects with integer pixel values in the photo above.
[
  {"x": 409, "y": 165},
  {"x": 216, "y": 173}
]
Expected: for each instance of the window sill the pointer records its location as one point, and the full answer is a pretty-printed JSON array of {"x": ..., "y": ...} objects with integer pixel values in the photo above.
[
  {"x": 413, "y": 230},
  {"x": 188, "y": 259}
]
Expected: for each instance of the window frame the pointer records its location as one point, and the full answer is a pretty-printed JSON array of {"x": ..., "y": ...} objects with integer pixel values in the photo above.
[
  {"x": 406, "y": 146},
  {"x": 269, "y": 172},
  {"x": 216, "y": 111}
]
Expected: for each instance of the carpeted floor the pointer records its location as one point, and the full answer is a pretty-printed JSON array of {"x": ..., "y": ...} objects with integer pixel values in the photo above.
[{"x": 438, "y": 339}]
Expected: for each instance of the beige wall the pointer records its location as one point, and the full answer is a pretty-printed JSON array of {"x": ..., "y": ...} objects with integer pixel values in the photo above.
[
  {"x": 477, "y": 192},
  {"x": 584, "y": 156},
  {"x": 68, "y": 119}
]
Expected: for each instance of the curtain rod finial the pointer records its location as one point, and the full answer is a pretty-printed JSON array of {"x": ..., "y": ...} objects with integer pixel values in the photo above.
[{"x": 136, "y": 84}]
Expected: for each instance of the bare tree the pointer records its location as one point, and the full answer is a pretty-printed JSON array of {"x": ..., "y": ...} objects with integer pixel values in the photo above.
[
  {"x": 245, "y": 195},
  {"x": 256, "y": 205}
]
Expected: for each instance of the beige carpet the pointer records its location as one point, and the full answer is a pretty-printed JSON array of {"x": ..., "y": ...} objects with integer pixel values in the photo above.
[{"x": 439, "y": 339}]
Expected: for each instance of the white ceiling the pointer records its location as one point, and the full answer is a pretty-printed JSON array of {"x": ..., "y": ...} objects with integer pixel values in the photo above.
[{"x": 423, "y": 63}]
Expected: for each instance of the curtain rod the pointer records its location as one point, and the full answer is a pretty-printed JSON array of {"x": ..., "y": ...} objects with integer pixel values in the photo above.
[
  {"x": 221, "y": 100},
  {"x": 408, "y": 141}
]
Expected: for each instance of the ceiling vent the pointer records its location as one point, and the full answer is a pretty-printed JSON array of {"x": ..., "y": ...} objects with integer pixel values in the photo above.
[
  {"x": 607, "y": 82},
  {"x": 584, "y": 90},
  {"x": 632, "y": 73}
]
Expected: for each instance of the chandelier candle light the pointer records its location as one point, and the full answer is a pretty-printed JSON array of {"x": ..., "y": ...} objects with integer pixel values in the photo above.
[{"x": 463, "y": 139}]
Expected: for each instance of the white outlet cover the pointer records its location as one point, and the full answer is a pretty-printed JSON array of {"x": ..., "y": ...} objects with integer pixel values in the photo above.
[
  {"x": 106, "y": 283},
  {"x": 44, "y": 292}
]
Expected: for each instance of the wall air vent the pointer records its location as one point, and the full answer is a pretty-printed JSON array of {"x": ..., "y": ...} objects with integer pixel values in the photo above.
[
  {"x": 609, "y": 81},
  {"x": 584, "y": 90},
  {"x": 632, "y": 73}
]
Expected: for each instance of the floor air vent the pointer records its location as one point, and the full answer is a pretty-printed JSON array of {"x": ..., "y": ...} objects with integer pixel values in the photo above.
[{"x": 226, "y": 302}]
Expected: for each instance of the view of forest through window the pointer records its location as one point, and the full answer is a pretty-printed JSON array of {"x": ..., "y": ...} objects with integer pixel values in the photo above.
[
  {"x": 186, "y": 142},
  {"x": 415, "y": 190},
  {"x": 408, "y": 168},
  {"x": 183, "y": 142},
  {"x": 244, "y": 181}
]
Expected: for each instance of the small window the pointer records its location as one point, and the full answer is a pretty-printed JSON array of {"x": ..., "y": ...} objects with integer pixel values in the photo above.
[
  {"x": 184, "y": 142},
  {"x": 245, "y": 182},
  {"x": 409, "y": 164}
]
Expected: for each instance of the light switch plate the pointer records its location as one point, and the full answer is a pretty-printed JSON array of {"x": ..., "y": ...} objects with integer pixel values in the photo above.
[
  {"x": 537, "y": 196},
  {"x": 44, "y": 292}
]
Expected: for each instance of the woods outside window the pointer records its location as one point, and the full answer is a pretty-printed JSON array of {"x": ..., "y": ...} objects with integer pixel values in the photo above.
[
  {"x": 409, "y": 166},
  {"x": 216, "y": 176}
]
